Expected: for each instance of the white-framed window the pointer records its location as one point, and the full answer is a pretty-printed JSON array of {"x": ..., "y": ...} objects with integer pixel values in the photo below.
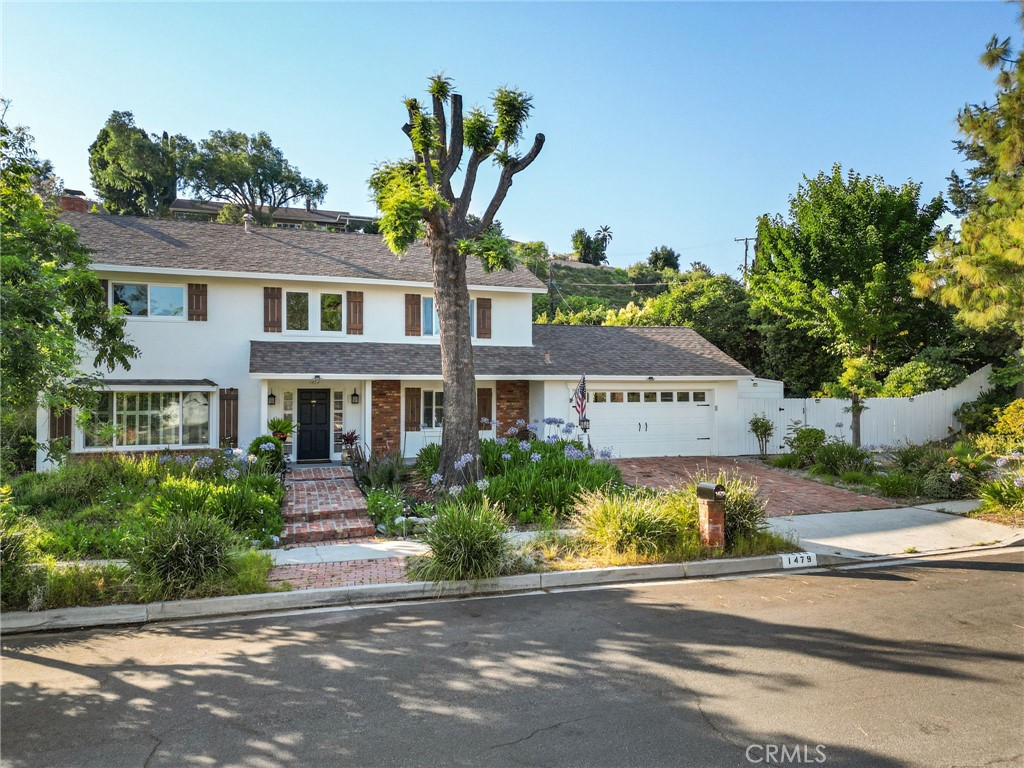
[
  {"x": 431, "y": 326},
  {"x": 314, "y": 311},
  {"x": 338, "y": 424},
  {"x": 332, "y": 312},
  {"x": 149, "y": 299},
  {"x": 149, "y": 420},
  {"x": 433, "y": 408},
  {"x": 296, "y": 310}
]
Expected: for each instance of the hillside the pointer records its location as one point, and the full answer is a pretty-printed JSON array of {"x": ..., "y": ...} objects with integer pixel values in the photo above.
[{"x": 582, "y": 286}]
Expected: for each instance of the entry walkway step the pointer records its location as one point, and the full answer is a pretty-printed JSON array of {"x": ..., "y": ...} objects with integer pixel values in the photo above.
[{"x": 323, "y": 503}]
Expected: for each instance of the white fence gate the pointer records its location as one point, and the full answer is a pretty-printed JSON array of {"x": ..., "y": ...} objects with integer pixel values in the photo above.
[{"x": 885, "y": 421}]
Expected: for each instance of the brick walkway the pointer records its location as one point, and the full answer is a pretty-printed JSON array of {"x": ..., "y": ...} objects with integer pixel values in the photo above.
[
  {"x": 348, "y": 574},
  {"x": 787, "y": 492},
  {"x": 323, "y": 504}
]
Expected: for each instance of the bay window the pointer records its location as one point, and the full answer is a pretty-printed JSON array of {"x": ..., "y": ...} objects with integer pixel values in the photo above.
[{"x": 149, "y": 420}]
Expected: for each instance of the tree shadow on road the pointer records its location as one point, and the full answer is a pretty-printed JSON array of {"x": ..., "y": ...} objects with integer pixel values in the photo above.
[{"x": 617, "y": 677}]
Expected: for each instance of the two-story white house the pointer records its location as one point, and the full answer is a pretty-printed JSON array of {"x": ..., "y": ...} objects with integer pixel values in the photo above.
[{"x": 335, "y": 332}]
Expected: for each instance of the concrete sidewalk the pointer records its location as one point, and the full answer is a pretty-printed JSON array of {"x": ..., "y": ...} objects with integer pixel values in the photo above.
[
  {"x": 344, "y": 553},
  {"x": 879, "y": 532}
]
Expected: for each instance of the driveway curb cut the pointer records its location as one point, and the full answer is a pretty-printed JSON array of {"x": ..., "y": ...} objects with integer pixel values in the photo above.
[{"x": 20, "y": 622}]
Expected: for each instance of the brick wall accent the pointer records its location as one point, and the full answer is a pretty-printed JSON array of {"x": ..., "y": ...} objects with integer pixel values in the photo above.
[
  {"x": 513, "y": 400},
  {"x": 386, "y": 416}
]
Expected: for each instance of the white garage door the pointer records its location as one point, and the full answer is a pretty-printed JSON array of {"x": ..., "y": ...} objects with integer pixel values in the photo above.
[{"x": 662, "y": 422}]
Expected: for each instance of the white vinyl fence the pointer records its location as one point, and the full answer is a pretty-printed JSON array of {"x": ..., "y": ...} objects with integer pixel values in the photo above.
[{"x": 885, "y": 421}]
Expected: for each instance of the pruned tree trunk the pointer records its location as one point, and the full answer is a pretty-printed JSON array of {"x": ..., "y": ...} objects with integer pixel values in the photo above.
[
  {"x": 460, "y": 434},
  {"x": 856, "y": 409}
]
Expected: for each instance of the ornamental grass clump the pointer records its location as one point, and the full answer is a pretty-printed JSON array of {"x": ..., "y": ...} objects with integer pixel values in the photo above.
[
  {"x": 466, "y": 541},
  {"x": 634, "y": 522},
  {"x": 182, "y": 554}
]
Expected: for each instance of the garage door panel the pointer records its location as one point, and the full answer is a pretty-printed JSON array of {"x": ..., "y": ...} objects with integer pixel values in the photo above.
[{"x": 659, "y": 428}]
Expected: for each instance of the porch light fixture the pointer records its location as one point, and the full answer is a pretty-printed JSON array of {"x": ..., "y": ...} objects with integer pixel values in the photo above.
[
  {"x": 316, "y": 379},
  {"x": 584, "y": 424},
  {"x": 271, "y": 399},
  {"x": 354, "y": 397}
]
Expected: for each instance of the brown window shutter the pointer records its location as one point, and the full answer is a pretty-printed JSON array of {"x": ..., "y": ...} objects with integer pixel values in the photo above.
[
  {"x": 412, "y": 315},
  {"x": 60, "y": 423},
  {"x": 483, "y": 319},
  {"x": 272, "y": 310},
  {"x": 483, "y": 405},
  {"x": 105, "y": 285},
  {"x": 354, "y": 321},
  {"x": 413, "y": 401},
  {"x": 197, "y": 301},
  {"x": 229, "y": 417}
]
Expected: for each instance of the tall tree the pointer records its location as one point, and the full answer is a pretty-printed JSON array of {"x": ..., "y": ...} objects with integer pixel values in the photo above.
[
  {"x": 603, "y": 235},
  {"x": 981, "y": 274},
  {"x": 133, "y": 172},
  {"x": 54, "y": 309},
  {"x": 250, "y": 172},
  {"x": 837, "y": 268},
  {"x": 664, "y": 257},
  {"x": 416, "y": 196},
  {"x": 590, "y": 249}
]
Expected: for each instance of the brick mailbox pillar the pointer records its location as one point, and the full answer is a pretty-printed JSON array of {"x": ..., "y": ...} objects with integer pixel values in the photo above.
[{"x": 711, "y": 514}]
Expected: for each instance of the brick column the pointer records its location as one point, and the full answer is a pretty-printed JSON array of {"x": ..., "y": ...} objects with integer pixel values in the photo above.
[
  {"x": 385, "y": 416},
  {"x": 513, "y": 402}
]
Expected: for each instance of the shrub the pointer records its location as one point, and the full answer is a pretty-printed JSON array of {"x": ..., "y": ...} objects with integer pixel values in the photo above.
[
  {"x": 178, "y": 554},
  {"x": 378, "y": 470},
  {"x": 979, "y": 415},
  {"x": 804, "y": 442},
  {"x": 1004, "y": 493},
  {"x": 427, "y": 462},
  {"x": 836, "y": 457},
  {"x": 763, "y": 429},
  {"x": 786, "y": 461},
  {"x": 250, "y": 512},
  {"x": 633, "y": 521},
  {"x": 181, "y": 495},
  {"x": 17, "y": 553},
  {"x": 384, "y": 505},
  {"x": 898, "y": 485},
  {"x": 930, "y": 370},
  {"x": 1010, "y": 423},
  {"x": 246, "y": 575},
  {"x": 268, "y": 460},
  {"x": 855, "y": 477},
  {"x": 67, "y": 587},
  {"x": 466, "y": 541},
  {"x": 908, "y": 457}
]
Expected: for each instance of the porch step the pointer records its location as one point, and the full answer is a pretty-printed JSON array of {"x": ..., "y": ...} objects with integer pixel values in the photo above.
[
  {"x": 300, "y": 473},
  {"x": 294, "y": 514},
  {"x": 326, "y": 530}
]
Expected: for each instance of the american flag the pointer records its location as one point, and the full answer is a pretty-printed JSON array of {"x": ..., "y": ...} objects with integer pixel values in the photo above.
[{"x": 579, "y": 398}]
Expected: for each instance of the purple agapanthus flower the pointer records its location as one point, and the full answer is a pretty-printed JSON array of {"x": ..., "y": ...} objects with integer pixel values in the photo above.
[
  {"x": 482, "y": 484},
  {"x": 955, "y": 476},
  {"x": 436, "y": 478},
  {"x": 520, "y": 423},
  {"x": 554, "y": 421},
  {"x": 204, "y": 462},
  {"x": 1019, "y": 481},
  {"x": 455, "y": 490},
  {"x": 535, "y": 457},
  {"x": 573, "y": 453},
  {"x": 231, "y": 473},
  {"x": 501, "y": 440},
  {"x": 506, "y": 456},
  {"x": 524, "y": 445},
  {"x": 463, "y": 460}
]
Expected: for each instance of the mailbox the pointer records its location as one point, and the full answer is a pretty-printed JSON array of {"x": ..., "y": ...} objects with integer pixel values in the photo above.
[{"x": 711, "y": 491}]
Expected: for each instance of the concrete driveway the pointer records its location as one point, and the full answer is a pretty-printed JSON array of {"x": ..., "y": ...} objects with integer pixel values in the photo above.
[{"x": 787, "y": 492}]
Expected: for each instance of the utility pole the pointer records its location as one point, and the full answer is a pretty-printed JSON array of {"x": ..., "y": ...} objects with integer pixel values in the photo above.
[
  {"x": 551, "y": 288},
  {"x": 746, "y": 250}
]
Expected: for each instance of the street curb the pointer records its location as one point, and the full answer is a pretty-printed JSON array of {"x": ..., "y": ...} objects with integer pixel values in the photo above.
[{"x": 20, "y": 622}]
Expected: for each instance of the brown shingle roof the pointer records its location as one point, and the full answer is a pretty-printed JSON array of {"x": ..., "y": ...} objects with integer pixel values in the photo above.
[
  {"x": 167, "y": 244},
  {"x": 557, "y": 351}
]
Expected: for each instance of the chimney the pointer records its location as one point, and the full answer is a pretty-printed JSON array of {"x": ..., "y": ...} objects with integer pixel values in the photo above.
[
  {"x": 247, "y": 223},
  {"x": 74, "y": 200}
]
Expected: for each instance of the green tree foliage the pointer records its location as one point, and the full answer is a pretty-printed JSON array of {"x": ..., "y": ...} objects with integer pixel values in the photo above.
[
  {"x": 231, "y": 214},
  {"x": 590, "y": 249},
  {"x": 133, "y": 172},
  {"x": 932, "y": 368},
  {"x": 53, "y": 305},
  {"x": 664, "y": 257},
  {"x": 716, "y": 306},
  {"x": 981, "y": 274},
  {"x": 837, "y": 269},
  {"x": 416, "y": 197},
  {"x": 250, "y": 172}
]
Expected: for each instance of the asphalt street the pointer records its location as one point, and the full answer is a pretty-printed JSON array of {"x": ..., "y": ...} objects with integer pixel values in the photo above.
[{"x": 912, "y": 665}]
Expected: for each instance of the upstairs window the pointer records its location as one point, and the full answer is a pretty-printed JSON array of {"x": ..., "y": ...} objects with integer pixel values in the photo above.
[
  {"x": 147, "y": 300},
  {"x": 431, "y": 325},
  {"x": 331, "y": 311},
  {"x": 297, "y": 311}
]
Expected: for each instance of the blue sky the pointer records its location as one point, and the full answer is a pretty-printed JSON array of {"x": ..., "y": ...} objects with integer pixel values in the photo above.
[{"x": 673, "y": 123}]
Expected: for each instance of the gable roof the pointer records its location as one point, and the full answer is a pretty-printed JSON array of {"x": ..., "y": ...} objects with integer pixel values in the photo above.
[
  {"x": 188, "y": 246},
  {"x": 558, "y": 351}
]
